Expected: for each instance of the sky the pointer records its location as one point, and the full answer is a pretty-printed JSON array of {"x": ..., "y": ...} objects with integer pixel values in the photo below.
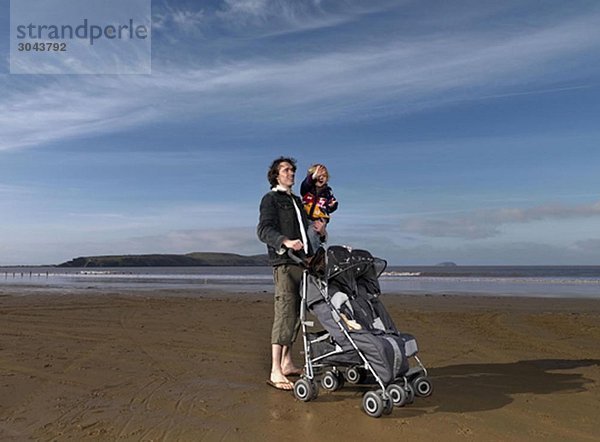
[{"x": 462, "y": 131}]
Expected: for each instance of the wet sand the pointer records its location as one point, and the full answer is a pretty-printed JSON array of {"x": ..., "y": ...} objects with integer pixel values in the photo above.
[{"x": 169, "y": 366}]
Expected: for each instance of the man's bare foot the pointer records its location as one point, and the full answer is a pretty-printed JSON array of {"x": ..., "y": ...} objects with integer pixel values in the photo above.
[
  {"x": 292, "y": 371},
  {"x": 285, "y": 386},
  {"x": 278, "y": 378}
]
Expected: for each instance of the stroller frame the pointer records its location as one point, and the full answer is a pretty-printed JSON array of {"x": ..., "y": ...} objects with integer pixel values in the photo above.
[
  {"x": 310, "y": 363},
  {"x": 375, "y": 403}
]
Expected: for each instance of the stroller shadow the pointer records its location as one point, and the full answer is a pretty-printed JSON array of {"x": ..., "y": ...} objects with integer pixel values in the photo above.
[{"x": 480, "y": 387}]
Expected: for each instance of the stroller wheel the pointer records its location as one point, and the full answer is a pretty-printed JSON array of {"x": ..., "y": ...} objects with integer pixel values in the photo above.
[
  {"x": 397, "y": 394},
  {"x": 410, "y": 394},
  {"x": 372, "y": 404},
  {"x": 422, "y": 386},
  {"x": 355, "y": 375},
  {"x": 304, "y": 390},
  {"x": 388, "y": 404},
  {"x": 330, "y": 381},
  {"x": 315, "y": 389}
]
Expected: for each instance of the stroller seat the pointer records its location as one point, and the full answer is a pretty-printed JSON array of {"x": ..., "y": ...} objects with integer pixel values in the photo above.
[{"x": 360, "y": 340}]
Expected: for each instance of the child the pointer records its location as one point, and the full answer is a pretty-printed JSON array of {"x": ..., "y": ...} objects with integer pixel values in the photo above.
[{"x": 318, "y": 200}]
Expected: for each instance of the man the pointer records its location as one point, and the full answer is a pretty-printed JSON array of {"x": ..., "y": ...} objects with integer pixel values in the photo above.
[{"x": 283, "y": 225}]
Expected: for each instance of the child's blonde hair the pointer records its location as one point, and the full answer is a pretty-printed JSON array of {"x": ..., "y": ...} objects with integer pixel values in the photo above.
[{"x": 313, "y": 168}]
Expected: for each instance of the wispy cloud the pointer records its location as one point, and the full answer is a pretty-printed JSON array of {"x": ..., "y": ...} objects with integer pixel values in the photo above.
[
  {"x": 490, "y": 253},
  {"x": 253, "y": 8},
  {"x": 535, "y": 92},
  {"x": 60, "y": 111},
  {"x": 351, "y": 83},
  {"x": 260, "y": 18},
  {"x": 184, "y": 19},
  {"x": 14, "y": 189},
  {"x": 176, "y": 229},
  {"x": 487, "y": 223},
  {"x": 274, "y": 17},
  {"x": 178, "y": 215},
  {"x": 48, "y": 250},
  {"x": 589, "y": 245},
  {"x": 240, "y": 240}
]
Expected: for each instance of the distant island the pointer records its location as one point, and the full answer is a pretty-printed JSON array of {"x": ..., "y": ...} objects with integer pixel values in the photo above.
[
  {"x": 446, "y": 264},
  {"x": 160, "y": 260}
]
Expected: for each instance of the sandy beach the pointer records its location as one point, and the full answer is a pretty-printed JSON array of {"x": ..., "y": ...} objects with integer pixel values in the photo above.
[{"x": 172, "y": 366}]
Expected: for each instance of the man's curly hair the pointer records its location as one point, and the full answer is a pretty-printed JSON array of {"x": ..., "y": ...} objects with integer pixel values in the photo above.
[{"x": 274, "y": 169}]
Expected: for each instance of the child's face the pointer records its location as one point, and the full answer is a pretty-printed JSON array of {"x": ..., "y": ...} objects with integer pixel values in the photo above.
[{"x": 322, "y": 177}]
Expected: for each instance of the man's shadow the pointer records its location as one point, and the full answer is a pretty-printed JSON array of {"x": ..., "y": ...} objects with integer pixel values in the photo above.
[{"x": 479, "y": 387}]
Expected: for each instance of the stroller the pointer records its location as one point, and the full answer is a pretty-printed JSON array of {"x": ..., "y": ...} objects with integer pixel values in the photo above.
[{"x": 360, "y": 342}]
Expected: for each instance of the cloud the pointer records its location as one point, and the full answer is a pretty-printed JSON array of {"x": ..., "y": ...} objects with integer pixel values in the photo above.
[
  {"x": 350, "y": 83},
  {"x": 454, "y": 228},
  {"x": 273, "y": 17},
  {"x": 495, "y": 253},
  {"x": 241, "y": 240},
  {"x": 176, "y": 17},
  {"x": 392, "y": 243},
  {"x": 256, "y": 19},
  {"x": 486, "y": 223},
  {"x": 589, "y": 245},
  {"x": 129, "y": 221},
  {"x": 254, "y": 8},
  {"x": 550, "y": 211},
  {"x": 187, "y": 18},
  {"x": 13, "y": 189},
  {"x": 62, "y": 110}
]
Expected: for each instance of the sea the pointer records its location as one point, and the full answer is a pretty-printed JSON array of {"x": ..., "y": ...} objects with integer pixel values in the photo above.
[{"x": 524, "y": 281}]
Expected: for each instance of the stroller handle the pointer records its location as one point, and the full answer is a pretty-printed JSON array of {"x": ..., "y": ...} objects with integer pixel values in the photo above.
[{"x": 296, "y": 258}]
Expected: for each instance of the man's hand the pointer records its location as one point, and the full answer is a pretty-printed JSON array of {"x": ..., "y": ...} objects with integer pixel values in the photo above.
[{"x": 294, "y": 244}]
